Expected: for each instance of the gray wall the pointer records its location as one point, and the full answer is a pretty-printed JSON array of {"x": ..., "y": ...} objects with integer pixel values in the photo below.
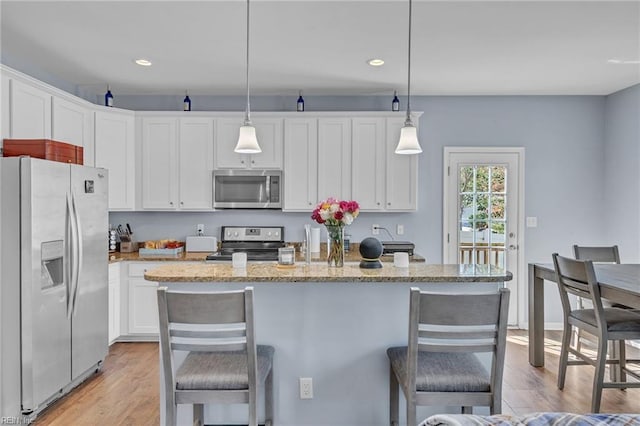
[{"x": 621, "y": 195}]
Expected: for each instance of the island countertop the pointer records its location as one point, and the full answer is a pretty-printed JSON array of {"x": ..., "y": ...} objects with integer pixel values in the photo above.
[{"x": 320, "y": 272}]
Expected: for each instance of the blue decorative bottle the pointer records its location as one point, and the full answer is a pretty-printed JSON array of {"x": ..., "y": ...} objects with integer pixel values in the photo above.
[
  {"x": 108, "y": 97},
  {"x": 395, "y": 104},
  {"x": 300, "y": 106},
  {"x": 186, "y": 102}
]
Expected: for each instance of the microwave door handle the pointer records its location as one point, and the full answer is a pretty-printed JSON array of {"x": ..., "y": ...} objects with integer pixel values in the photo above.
[{"x": 268, "y": 190}]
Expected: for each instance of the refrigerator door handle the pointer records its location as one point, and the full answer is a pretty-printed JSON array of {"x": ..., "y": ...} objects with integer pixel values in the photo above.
[
  {"x": 78, "y": 257},
  {"x": 68, "y": 254}
]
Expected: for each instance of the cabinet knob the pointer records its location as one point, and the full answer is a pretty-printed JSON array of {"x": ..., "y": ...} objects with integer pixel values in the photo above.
[
  {"x": 253, "y": 162},
  {"x": 388, "y": 204},
  {"x": 309, "y": 203},
  {"x": 378, "y": 203},
  {"x": 181, "y": 203},
  {"x": 170, "y": 202},
  {"x": 241, "y": 161}
]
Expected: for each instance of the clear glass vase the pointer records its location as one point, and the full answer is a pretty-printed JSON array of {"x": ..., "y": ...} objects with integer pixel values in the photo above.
[{"x": 335, "y": 245}]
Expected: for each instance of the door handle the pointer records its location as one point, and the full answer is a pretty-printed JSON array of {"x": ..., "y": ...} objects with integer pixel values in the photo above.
[
  {"x": 80, "y": 251},
  {"x": 513, "y": 247}
]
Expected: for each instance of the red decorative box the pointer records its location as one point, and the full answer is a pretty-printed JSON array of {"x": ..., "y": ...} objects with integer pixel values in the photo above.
[{"x": 46, "y": 149}]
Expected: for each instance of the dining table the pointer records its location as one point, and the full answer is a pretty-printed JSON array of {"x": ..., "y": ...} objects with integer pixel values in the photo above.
[{"x": 619, "y": 283}]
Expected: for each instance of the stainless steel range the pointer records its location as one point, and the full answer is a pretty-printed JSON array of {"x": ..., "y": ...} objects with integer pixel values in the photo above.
[{"x": 260, "y": 243}]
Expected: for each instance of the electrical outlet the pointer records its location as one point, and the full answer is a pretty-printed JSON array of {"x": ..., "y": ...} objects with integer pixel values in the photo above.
[
  {"x": 400, "y": 229},
  {"x": 375, "y": 230},
  {"x": 306, "y": 388},
  {"x": 200, "y": 229}
]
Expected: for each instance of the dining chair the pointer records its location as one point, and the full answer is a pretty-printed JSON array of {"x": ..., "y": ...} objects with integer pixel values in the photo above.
[
  {"x": 578, "y": 278},
  {"x": 224, "y": 365},
  {"x": 597, "y": 254},
  {"x": 439, "y": 366}
]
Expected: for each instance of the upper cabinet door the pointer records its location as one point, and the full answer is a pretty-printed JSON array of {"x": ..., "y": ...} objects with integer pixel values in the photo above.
[
  {"x": 227, "y": 130},
  {"x": 30, "y": 112},
  {"x": 195, "y": 168},
  {"x": 72, "y": 124},
  {"x": 368, "y": 162},
  {"x": 334, "y": 158},
  {"x": 159, "y": 170},
  {"x": 115, "y": 150},
  {"x": 402, "y": 171},
  {"x": 269, "y": 134},
  {"x": 300, "y": 164}
]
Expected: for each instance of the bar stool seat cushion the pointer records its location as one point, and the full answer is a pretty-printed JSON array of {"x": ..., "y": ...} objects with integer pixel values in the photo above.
[
  {"x": 221, "y": 370},
  {"x": 443, "y": 372},
  {"x": 617, "y": 319}
]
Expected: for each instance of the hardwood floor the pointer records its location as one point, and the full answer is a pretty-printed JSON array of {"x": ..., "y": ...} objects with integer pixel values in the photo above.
[{"x": 126, "y": 392}]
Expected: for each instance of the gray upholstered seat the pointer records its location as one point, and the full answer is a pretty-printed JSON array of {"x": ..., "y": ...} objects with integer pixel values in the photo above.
[
  {"x": 224, "y": 365},
  {"x": 221, "y": 370},
  {"x": 466, "y": 372},
  {"x": 439, "y": 365},
  {"x": 605, "y": 324}
]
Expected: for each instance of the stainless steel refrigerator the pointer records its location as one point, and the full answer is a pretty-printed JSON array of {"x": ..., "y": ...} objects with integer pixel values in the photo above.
[{"x": 54, "y": 288}]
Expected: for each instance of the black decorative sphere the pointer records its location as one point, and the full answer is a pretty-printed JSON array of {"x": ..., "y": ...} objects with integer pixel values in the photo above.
[{"x": 370, "y": 248}]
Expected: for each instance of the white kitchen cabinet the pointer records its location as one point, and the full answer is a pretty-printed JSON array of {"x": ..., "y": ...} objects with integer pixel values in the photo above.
[
  {"x": 114, "y": 302},
  {"x": 300, "y": 164},
  {"x": 158, "y": 162},
  {"x": 30, "y": 114},
  {"x": 195, "y": 163},
  {"x": 114, "y": 136},
  {"x": 269, "y": 134},
  {"x": 334, "y": 158},
  {"x": 177, "y": 163},
  {"x": 73, "y": 123},
  {"x": 5, "y": 107},
  {"x": 401, "y": 171},
  {"x": 143, "y": 302},
  {"x": 368, "y": 162}
]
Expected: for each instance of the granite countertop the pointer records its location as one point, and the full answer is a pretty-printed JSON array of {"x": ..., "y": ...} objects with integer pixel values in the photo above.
[
  {"x": 353, "y": 255},
  {"x": 320, "y": 272}
]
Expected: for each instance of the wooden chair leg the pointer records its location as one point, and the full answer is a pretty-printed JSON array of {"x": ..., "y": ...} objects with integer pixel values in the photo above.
[
  {"x": 394, "y": 398},
  {"x": 253, "y": 408},
  {"x": 198, "y": 414},
  {"x": 564, "y": 355},
  {"x": 268, "y": 399},
  {"x": 622, "y": 356},
  {"x": 598, "y": 376},
  {"x": 614, "y": 354},
  {"x": 171, "y": 411},
  {"x": 411, "y": 410}
]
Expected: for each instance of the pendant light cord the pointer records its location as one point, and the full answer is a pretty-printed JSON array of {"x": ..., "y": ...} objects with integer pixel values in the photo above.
[
  {"x": 408, "y": 120},
  {"x": 247, "y": 116}
]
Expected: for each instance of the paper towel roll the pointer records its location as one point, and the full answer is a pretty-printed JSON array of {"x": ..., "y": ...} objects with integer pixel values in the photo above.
[{"x": 315, "y": 240}]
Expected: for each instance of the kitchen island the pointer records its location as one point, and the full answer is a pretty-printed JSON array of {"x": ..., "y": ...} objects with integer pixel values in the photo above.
[{"x": 331, "y": 324}]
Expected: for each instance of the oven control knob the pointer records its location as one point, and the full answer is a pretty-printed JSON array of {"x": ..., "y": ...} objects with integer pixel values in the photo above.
[
  {"x": 277, "y": 233},
  {"x": 235, "y": 234},
  {"x": 269, "y": 234}
]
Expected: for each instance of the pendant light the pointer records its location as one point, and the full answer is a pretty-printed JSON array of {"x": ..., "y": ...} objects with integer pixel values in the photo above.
[
  {"x": 247, "y": 140},
  {"x": 408, "y": 143}
]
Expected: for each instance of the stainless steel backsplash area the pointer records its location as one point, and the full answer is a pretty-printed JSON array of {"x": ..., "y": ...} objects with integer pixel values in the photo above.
[{"x": 178, "y": 225}]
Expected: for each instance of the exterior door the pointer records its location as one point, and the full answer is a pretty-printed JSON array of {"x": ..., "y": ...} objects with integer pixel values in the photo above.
[{"x": 483, "y": 207}]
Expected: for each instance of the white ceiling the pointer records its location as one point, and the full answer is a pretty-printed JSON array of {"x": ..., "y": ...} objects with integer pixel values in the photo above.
[{"x": 459, "y": 48}]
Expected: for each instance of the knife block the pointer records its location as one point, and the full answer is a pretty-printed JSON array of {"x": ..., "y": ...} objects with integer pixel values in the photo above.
[{"x": 128, "y": 247}]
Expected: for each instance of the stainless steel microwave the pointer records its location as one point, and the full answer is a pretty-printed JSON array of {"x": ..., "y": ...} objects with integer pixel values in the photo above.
[{"x": 247, "y": 189}]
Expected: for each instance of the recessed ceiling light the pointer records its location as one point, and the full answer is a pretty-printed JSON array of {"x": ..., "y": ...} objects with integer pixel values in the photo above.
[
  {"x": 375, "y": 62},
  {"x": 143, "y": 62},
  {"x": 623, "y": 61}
]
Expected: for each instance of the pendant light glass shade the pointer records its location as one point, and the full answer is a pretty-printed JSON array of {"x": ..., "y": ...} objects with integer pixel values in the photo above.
[
  {"x": 408, "y": 143},
  {"x": 247, "y": 140}
]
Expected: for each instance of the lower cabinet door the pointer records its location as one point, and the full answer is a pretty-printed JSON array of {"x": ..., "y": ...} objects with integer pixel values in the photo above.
[
  {"x": 143, "y": 307},
  {"x": 114, "y": 302}
]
